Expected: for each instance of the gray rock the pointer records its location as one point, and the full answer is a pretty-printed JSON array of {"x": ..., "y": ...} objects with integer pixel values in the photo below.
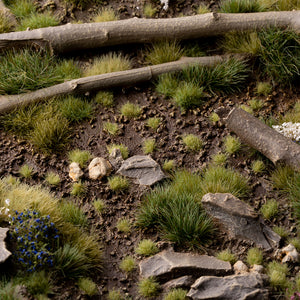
[
  {"x": 235, "y": 287},
  {"x": 240, "y": 220},
  {"x": 4, "y": 253},
  {"x": 115, "y": 158},
  {"x": 240, "y": 268},
  {"x": 167, "y": 265},
  {"x": 99, "y": 167},
  {"x": 181, "y": 282},
  {"x": 142, "y": 168},
  {"x": 75, "y": 171}
]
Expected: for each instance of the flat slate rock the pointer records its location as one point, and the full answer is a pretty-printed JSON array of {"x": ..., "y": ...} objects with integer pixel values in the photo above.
[
  {"x": 181, "y": 282},
  {"x": 235, "y": 287},
  {"x": 142, "y": 168},
  {"x": 168, "y": 264},
  {"x": 4, "y": 253},
  {"x": 240, "y": 220}
]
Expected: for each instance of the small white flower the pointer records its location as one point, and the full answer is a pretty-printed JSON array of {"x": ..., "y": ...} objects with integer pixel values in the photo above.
[{"x": 7, "y": 202}]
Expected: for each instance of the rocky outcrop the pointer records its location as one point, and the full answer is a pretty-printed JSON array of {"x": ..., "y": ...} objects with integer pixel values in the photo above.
[
  {"x": 168, "y": 264},
  {"x": 240, "y": 220},
  {"x": 143, "y": 168},
  {"x": 98, "y": 168},
  {"x": 4, "y": 253},
  {"x": 75, "y": 171},
  {"x": 235, "y": 287}
]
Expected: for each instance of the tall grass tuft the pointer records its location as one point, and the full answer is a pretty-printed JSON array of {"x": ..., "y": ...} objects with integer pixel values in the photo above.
[
  {"x": 106, "y": 15},
  {"x": 167, "y": 83},
  {"x": 5, "y": 23},
  {"x": 241, "y": 6},
  {"x": 22, "y": 8},
  {"x": 73, "y": 214}
]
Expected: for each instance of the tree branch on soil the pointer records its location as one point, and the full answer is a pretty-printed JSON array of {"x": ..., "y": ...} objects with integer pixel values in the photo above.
[
  {"x": 72, "y": 37},
  {"x": 275, "y": 146},
  {"x": 104, "y": 81}
]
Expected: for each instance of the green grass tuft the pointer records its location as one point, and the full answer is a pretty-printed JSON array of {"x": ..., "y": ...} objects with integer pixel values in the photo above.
[
  {"x": 68, "y": 69},
  {"x": 254, "y": 256},
  {"x": 269, "y": 209},
  {"x": 115, "y": 295},
  {"x": 128, "y": 264},
  {"x": 214, "y": 118},
  {"x": 282, "y": 177},
  {"x": 219, "y": 159},
  {"x": 263, "y": 88},
  {"x": 149, "y": 146},
  {"x": 78, "y": 189},
  {"x": 122, "y": 147},
  {"x": 167, "y": 84},
  {"x": 22, "y": 8},
  {"x": 153, "y": 123},
  {"x": 281, "y": 231},
  {"x": 241, "y": 6},
  {"x": 26, "y": 171},
  {"x": 163, "y": 52},
  {"x": 106, "y": 14},
  {"x": 146, "y": 248},
  {"x": 256, "y": 104},
  {"x": 79, "y": 156},
  {"x": 111, "y": 128},
  {"x": 247, "y": 108},
  {"x": 277, "y": 273},
  {"x": 149, "y": 10},
  {"x": 38, "y": 283},
  {"x": 5, "y": 23},
  {"x": 118, "y": 183},
  {"x": 124, "y": 225},
  {"x": 202, "y": 9},
  {"x": 108, "y": 63},
  {"x": 227, "y": 255},
  {"x": 192, "y": 142},
  {"x": 105, "y": 98},
  {"x": 88, "y": 286},
  {"x": 148, "y": 287},
  {"x": 73, "y": 214},
  {"x": 131, "y": 110},
  {"x": 232, "y": 144},
  {"x": 176, "y": 294},
  {"x": 99, "y": 206},
  {"x": 258, "y": 166},
  {"x": 169, "y": 165},
  {"x": 52, "y": 178}
]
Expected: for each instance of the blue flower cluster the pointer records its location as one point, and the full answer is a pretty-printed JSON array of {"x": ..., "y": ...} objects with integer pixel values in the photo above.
[{"x": 36, "y": 238}]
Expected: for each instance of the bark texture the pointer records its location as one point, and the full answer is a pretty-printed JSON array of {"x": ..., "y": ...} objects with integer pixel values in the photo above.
[
  {"x": 275, "y": 146},
  {"x": 104, "y": 81},
  {"x": 73, "y": 37}
]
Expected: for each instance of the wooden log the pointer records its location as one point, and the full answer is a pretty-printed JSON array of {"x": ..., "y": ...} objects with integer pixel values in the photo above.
[
  {"x": 275, "y": 146},
  {"x": 72, "y": 37},
  {"x": 104, "y": 81}
]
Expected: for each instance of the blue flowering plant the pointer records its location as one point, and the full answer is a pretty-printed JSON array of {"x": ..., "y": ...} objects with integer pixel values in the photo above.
[{"x": 36, "y": 239}]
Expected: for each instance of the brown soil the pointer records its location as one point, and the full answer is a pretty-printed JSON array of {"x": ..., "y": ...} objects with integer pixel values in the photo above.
[{"x": 90, "y": 136}]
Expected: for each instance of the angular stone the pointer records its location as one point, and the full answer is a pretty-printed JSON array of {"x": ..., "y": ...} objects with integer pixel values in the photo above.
[
  {"x": 240, "y": 268},
  {"x": 4, "y": 253},
  {"x": 115, "y": 158},
  {"x": 240, "y": 220},
  {"x": 74, "y": 171},
  {"x": 143, "y": 168},
  {"x": 257, "y": 268},
  {"x": 234, "y": 287},
  {"x": 291, "y": 254},
  {"x": 181, "y": 282},
  {"x": 167, "y": 265},
  {"x": 99, "y": 167}
]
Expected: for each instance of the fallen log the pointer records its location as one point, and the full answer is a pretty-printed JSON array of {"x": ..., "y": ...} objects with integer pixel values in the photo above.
[
  {"x": 104, "y": 81},
  {"x": 275, "y": 146},
  {"x": 72, "y": 37}
]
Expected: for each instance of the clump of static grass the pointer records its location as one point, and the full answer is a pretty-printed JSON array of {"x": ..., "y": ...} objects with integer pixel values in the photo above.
[
  {"x": 169, "y": 165},
  {"x": 88, "y": 286},
  {"x": 75, "y": 109},
  {"x": 105, "y": 98},
  {"x": 292, "y": 115},
  {"x": 218, "y": 179},
  {"x": 115, "y": 295},
  {"x": 26, "y": 171},
  {"x": 5, "y": 23},
  {"x": 79, "y": 156},
  {"x": 111, "y": 62},
  {"x": 124, "y": 225},
  {"x": 122, "y": 147},
  {"x": 281, "y": 231},
  {"x": 256, "y": 104},
  {"x": 188, "y": 95},
  {"x": 38, "y": 283},
  {"x": 282, "y": 177},
  {"x": 241, "y": 6},
  {"x": 111, "y": 128},
  {"x": 163, "y": 52},
  {"x": 227, "y": 255},
  {"x": 166, "y": 84},
  {"x": 128, "y": 264},
  {"x": 192, "y": 142},
  {"x": 18, "y": 75},
  {"x": 50, "y": 135},
  {"x": 148, "y": 287},
  {"x": 78, "y": 189},
  {"x": 99, "y": 205},
  {"x": 22, "y": 8},
  {"x": 231, "y": 144},
  {"x": 68, "y": 69},
  {"x": 283, "y": 5},
  {"x": 214, "y": 118},
  {"x": 202, "y": 9},
  {"x": 219, "y": 159},
  {"x": 131, "y": 110},
  {"x": 263, "y": 88},
  {"x": 73, "y": 214},
  {"x": 52, "y": 178},
  {"x": 295, "y": 242},
  {"x": 277, "y": 273},
  {"x": 118, "y": 183},
  {"x": 254, "y": 256},
  {"x": 149, "y": 10},
  {"x": 8, "y": 290},
  {"x": 269, "y": 209},
  {"x": 247, "y": 108},
  {"x": 153, "y": 123},
  {"x": 149, "y": 146},
  {"x": 146, "y": 248},
  {"x": 37, "y": 20},
  {"x": 258, "y": 166},
  {"x": 176, "y": 294},
  {"x": 106, "y": 14},
  {"x": 226, "y": 77}
]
